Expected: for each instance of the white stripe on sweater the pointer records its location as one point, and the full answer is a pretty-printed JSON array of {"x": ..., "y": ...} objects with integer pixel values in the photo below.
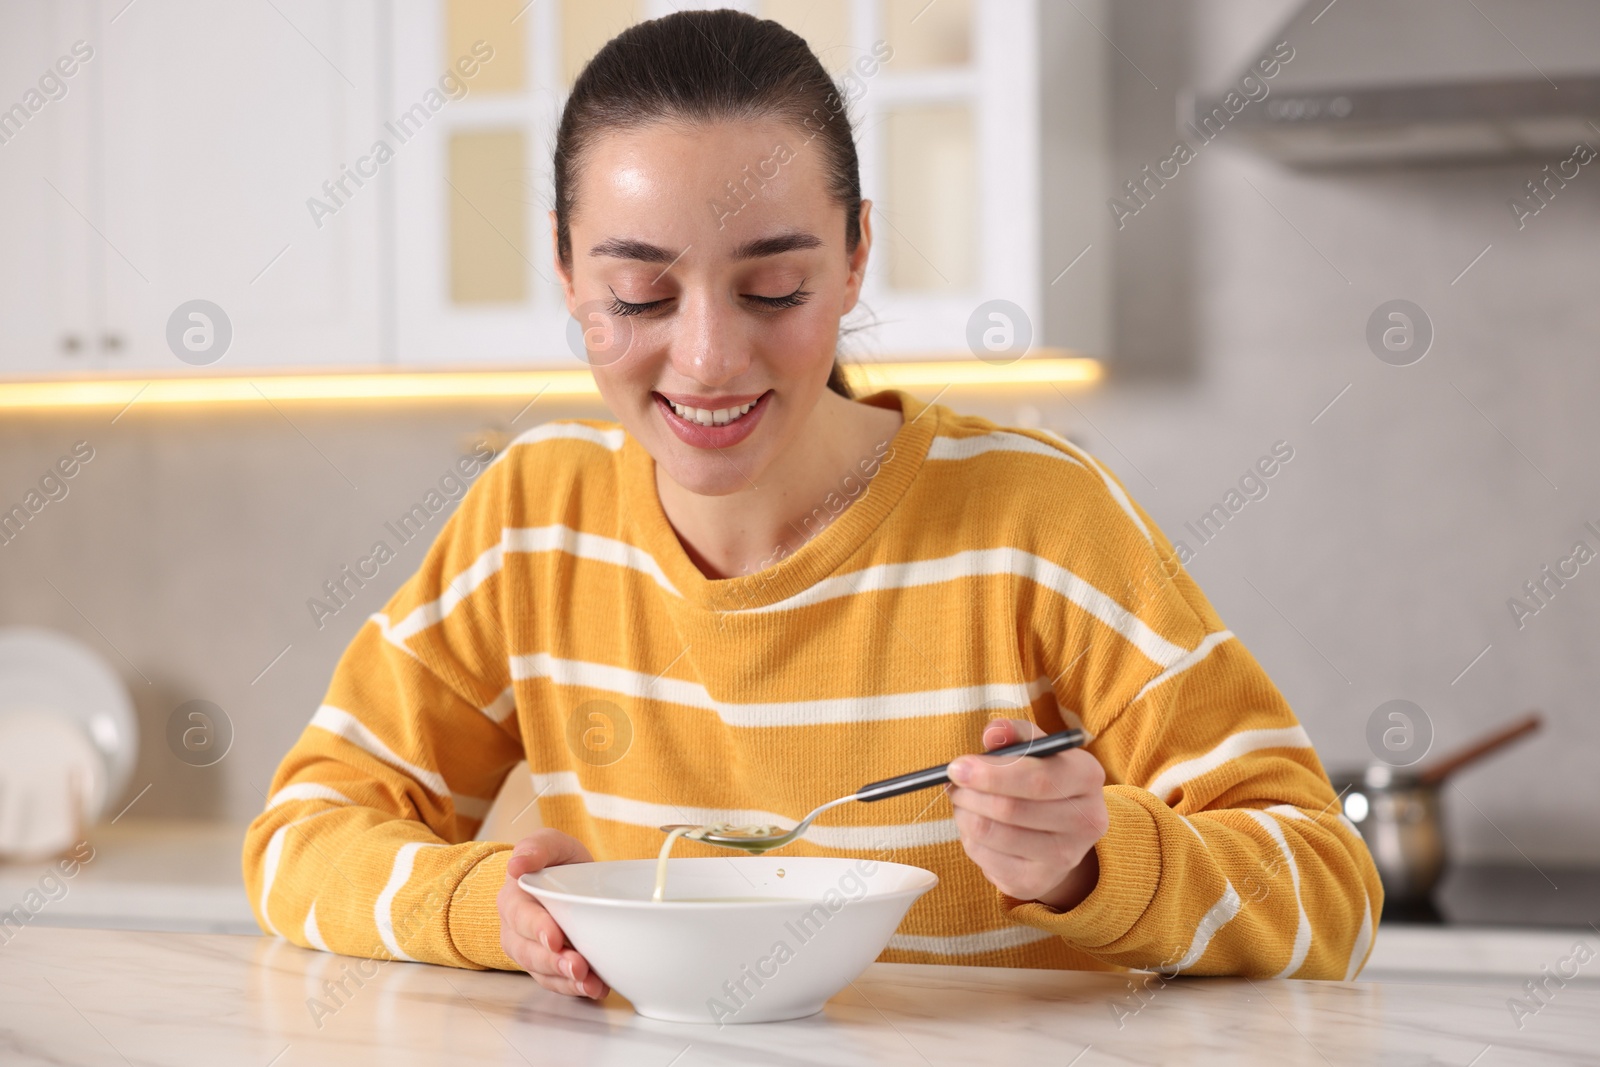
[
  {"x": 1189, "y": 659},
  {"x": 1363, "y": 941},
  {"x": 610, "y": 440},
  {"x": 529, "y": 539},
  {"x": 386, "y": 629},
  {"x": 500, "y": 709},
  {"x": 1302, "y": 930},
  {"x": 1111, "y": 486},
  {"x": 1358, "y": 951},
  {"x": 269, "y": 874},
  {"x": 312, "y": 932},
  {"x": 456, "y": 590},
  {"x": 970, "y": 944},
  {"x": 959, "y": 448},
  {"x": 1215, "y": 918},
  {"x": 982, "y": 562},
  {"x": 644, "y": 813},
  {"x": 383, "y": 910},
  {"x": 343, "y": 724},
  {"x": 1236, "y": 745},
  {"x": 269, "y": 865},
  {"x": 306, "y": 791},
  {"x": 560, "y": 538},
  {"x": 1219, "y": 915},
  {"x": 470, "y": 807},
  {"x": 1291, "y": 812},
  {"x": 620, "y": 680}
]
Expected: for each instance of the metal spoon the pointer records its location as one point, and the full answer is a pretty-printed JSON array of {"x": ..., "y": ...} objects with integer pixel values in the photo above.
[{"x": 889, "y": 787}]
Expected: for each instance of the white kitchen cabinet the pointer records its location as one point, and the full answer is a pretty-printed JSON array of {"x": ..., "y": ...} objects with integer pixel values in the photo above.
[
  {"x": 472, "y": 265},
  {"x": 49, "y": 256},
  {"x": 180, "y": 170},
  {"x": 328, "y": 176},
  {"x": 982, "y": 142}
]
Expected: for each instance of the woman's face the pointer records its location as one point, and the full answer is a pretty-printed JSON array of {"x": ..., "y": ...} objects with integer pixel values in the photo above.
[{"x": 709, "y": 267}]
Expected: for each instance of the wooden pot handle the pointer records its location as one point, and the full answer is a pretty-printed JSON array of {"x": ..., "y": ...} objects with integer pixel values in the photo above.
[{"x": 1443, "y": 769}]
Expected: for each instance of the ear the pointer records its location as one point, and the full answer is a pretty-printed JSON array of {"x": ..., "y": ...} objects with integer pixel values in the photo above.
[
  {"x": 568, "y": 292},
  {"x": 858, "y": 261}
]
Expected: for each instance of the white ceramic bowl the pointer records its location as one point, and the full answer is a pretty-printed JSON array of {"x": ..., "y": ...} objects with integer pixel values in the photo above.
[{"x": 701, "y": 957}]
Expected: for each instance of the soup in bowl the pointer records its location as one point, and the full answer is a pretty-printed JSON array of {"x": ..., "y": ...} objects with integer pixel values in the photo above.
[{"x": 737, "y": 939}]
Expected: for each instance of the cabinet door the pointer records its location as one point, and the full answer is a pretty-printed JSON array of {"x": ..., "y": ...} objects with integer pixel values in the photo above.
[
  {"x": 476, "y": 95},
  {"x": 47, "y": 244},
  {"x": 229, "y": 136}
]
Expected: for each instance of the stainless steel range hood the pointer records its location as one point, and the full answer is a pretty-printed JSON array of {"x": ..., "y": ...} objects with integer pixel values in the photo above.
[{"x": 1376, "y": 82}]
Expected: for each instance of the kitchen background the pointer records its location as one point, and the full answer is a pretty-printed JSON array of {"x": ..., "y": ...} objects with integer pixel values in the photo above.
[{"x": 1230, "y": 312}]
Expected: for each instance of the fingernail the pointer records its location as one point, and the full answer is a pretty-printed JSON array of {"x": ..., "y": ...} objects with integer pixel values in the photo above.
[
  {"x": 544, "y": 939},
  {"x": 566, "y": 969},
  {"x": 960, "y": 771}
]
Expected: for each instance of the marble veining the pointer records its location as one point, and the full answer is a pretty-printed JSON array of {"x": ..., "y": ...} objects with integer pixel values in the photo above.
[{"x": 90, "y": 997}]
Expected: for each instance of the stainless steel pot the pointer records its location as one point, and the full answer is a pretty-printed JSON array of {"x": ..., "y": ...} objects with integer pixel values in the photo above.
[
  {"x": 1399, "y": 817},
  {"x": 1398, "y": 813}
]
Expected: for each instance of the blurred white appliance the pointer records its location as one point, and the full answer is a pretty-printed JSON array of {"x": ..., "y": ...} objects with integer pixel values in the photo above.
[{"x": 68, "y": 741}]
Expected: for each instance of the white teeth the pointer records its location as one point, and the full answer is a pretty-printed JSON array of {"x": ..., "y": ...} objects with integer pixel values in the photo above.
[{"x": 708, "y": 417}]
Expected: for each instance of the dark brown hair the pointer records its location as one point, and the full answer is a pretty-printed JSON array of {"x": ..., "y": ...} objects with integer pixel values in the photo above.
[{"x": 706, "y": 66}]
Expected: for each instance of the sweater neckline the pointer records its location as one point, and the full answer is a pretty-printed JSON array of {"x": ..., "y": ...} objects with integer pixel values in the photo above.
[{"x": 819, "y": 557}]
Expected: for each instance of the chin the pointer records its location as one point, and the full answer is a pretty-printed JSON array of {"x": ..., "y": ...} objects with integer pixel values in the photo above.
[{"x": 707, "y": 474}]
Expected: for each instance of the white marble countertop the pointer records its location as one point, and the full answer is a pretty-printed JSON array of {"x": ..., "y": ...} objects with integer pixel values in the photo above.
[
  {"x": 77, "y": 996},
  {"x": 148, "y": 874}
]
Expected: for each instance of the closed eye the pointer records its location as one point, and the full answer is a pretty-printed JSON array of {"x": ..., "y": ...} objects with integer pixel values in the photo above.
[
  {"x": 775, "y": 303},
  {"x": 622, "y": 307},
  {"x": 793, "y": 300}
]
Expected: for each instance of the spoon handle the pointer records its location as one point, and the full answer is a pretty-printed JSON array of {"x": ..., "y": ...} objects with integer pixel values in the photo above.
[{"x": 910, "y": 783}]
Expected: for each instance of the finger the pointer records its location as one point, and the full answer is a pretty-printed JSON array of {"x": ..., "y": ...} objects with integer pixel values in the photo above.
[
  {"x": 545, "y": 848},
  {"x": 1058, "y": 777},
  {"x": 530, "y": 953},
  {"x": 534, "y": 923},
  {"x": 1033, "y": 814},
  {"x": 1002, "y": 732},
  {"x": 571, "y": 971},
  {"x": 523, "y": 916},
  {"x": 565, "y": 971},
  {"x": 1012, "y": 875},
  {"x": 1055, "y": 850},
  {"x": 563, "y": 985},
  {"x": 577, "y": 968},
  {"x": 535, "y": 942},
  {"x": 548, "y": 954}
]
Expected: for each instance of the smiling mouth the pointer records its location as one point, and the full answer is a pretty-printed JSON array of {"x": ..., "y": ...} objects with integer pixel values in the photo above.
[{"x": 709, "y": 416}]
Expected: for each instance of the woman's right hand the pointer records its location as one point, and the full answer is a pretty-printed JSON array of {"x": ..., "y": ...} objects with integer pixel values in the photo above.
[{"x": 527, "y": 932}]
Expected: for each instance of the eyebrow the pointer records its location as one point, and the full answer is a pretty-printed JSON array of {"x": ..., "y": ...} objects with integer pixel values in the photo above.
[{"x": 760, "y": 247}]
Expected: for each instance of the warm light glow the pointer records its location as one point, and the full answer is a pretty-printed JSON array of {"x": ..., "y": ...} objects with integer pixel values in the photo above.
[
  {"x": 466, "y": 385},
  {"x": 943, "y": 372}
]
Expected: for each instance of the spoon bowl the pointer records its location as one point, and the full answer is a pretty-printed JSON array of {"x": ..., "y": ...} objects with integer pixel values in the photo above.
[{"x": 1037, "y": 747}]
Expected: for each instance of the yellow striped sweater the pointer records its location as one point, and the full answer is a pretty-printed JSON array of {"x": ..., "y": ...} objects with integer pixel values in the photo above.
[{"x": 976, "y": 572}]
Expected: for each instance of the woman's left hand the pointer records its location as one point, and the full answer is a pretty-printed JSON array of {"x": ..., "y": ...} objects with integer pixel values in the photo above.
[{"x": 1031, "y": 823}]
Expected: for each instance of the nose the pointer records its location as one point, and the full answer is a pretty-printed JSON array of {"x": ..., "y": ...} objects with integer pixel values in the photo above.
[{"x": 708, "y": 343}]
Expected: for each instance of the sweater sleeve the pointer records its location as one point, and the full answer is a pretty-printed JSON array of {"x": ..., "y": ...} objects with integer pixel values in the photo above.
[
  {"x": 1227, "y": 851},
  {"x": 365, "y": 846}
]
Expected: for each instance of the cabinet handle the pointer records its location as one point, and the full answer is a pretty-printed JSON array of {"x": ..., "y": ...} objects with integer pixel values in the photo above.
[
  {"x": 71, "y": 343},
  {"x": 111, "y": 342}
]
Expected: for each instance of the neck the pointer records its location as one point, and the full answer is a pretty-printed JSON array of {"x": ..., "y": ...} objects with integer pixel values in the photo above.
[{"x": 745, "y": 531}]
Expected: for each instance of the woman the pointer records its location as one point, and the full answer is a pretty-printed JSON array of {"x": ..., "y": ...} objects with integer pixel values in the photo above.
[{"x": 757, "y": 593}]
